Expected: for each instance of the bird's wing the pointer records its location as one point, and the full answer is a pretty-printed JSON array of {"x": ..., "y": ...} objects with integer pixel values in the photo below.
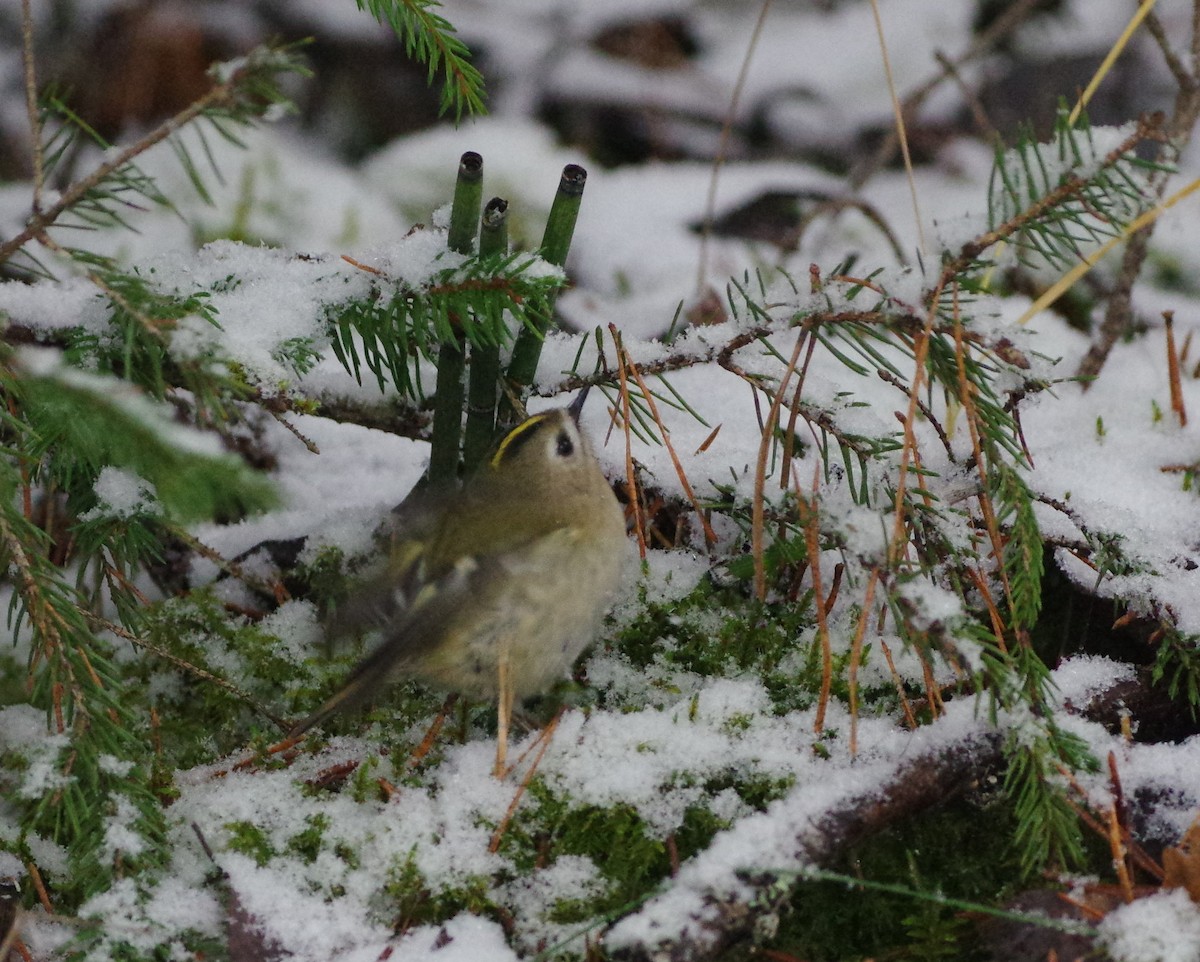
[{"x": 413, "y": 625}]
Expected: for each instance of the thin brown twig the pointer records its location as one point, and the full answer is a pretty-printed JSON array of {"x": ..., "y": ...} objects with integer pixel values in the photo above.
[
  {"x": 1118, "y": 832},
  {"x": 272, "y": 589},
  {"x": 812, "y": 548},
  {"x": 635, "y": 502},
  {"x": 31, "y": 108},
  {"x": 789, "y": 438},
  {"x": 735, "y": 97},
  {"x": 545, "y": 738},
  {"x": 306, "y": 441},
  {"x": 978, "y": 113},
  {"x": 900, "y": 126},
  {"x": 240, "y": 693},
  {"x": 1173, "y": 375},
  {"x": 710, "y": 536},
  {"x": 856, "y": 648},
  {"x": 989, "y": 603},
  {"x": 983, "y": 42},
  {"x": 1183, "y": 77},
  {"x": 757, "y": 506},
  {"x": 966, "y": 397},
  {"x": 910, "y": 718},
  {"x": 909, "y": 446},
  {"x": 220, "y": 94},
  {"x": 1082, "y": 809},
  {"x": 889, "y": 378}
]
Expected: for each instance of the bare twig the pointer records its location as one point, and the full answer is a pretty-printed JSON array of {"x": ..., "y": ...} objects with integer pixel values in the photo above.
[
  {"x": 543, "y": 742},
  {"x": 766, "y": 440},
  {"x": 1118, "y": 315},
  {"x": 635, "y": 503},
  {"x": 271, "y": 589},
  {"x": 1183, "y": 77},
  {"x": 710, "y": 536},
  {"x": 183, "y": 664},
  {"x": 856, "y": 650},
  {"x": 723, "y": 147},
  {"x": 31, "y": 108},
  {"x": 812, "y": 547},
  {"x": 1173, "y": 375},
  {"x": 1001, "y": 27},
  {"x": 220, "y": 95},
  {"x": 900, "y": 127},
  {"x": 971, "y": 98}
]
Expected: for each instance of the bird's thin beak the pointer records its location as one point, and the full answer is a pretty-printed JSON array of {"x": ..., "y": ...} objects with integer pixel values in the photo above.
[{"x": 575, "y": 408}]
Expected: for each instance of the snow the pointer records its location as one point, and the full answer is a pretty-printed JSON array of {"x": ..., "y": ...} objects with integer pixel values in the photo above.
[
  {"x": 1111, "y": 455},
  {"x": 121, "y": 493},
  {"x": 1164, "y": 927}
]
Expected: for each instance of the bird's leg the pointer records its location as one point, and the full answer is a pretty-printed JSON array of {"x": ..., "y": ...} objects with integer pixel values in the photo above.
[
  {"x": 544, "y": 741},
  {"x": 503, "y": 712}
]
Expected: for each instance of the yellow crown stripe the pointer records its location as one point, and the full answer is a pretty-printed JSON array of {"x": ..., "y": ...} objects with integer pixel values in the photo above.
[{"x": 526, "y": 425}]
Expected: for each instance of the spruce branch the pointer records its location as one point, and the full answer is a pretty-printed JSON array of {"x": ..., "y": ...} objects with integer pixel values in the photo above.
[
  {"x": 195, "y": 670},
  {"x": 431, "y": 38},
  {"x": 1025, "y": 217},
  {"x": 243, "y": 91},
  {"x": 390, "y": 332},
  {"x": 79, "y": 687}
]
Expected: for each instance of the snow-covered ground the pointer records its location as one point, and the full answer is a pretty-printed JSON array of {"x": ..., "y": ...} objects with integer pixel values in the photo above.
[{"x": 1111, "y": 454}]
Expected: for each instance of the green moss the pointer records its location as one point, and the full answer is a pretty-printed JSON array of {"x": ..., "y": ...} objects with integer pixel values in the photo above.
[
  {"x": 632, "y": 858},
  {"x": 248, "y": 839},
  {"x": 306, "y": 845},
  {"x": 409, "y": 900},
  {"x": 962, "y": 851},
  {"x": 716, "y": 630}
]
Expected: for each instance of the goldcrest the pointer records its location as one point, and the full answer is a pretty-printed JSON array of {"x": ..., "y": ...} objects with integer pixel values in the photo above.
[{"x": 495, "y": 590}]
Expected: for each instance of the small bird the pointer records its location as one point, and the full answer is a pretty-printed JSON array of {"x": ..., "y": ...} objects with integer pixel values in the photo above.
[{"x": 494, "y": 591}]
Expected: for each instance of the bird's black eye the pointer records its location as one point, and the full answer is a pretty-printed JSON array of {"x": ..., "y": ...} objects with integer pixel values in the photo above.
[{"x": 564, "y": 446}]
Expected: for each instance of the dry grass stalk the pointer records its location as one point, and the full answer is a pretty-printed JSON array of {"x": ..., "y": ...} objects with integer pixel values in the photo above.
[
  {"x": 635, "y": 503},
  {"x": 812, "y": 546},
  {"x": 1173, "y": 374},
  {"x": 710, "y": 536},
  {"x": 758, "y": 506},
  {"x": 856, "y": 647}
]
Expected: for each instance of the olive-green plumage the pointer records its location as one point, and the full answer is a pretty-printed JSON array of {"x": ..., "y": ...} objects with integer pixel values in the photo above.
[{"x": 497, "y": 589}]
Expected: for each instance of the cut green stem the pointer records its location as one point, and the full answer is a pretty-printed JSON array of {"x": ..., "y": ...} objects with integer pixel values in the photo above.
[
  {"x": 556, "y": 243},
  {"x": 448, "y": 402},
  {"x": 484, "y": 376}
]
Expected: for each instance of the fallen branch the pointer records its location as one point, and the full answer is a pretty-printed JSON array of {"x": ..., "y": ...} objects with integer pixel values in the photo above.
[{"x": 718, "y": 899}]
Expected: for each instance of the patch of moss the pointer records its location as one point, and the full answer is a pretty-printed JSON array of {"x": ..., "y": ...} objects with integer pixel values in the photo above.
[
  {"x": 617, "y": 840},
  {"x": 717, "y": 631},
  {"x": 963, "y": 851},
  {"x": 408, "y": 900},
  {"x": 306, "y": 844},
  {"x": 248, "y": 839}
]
